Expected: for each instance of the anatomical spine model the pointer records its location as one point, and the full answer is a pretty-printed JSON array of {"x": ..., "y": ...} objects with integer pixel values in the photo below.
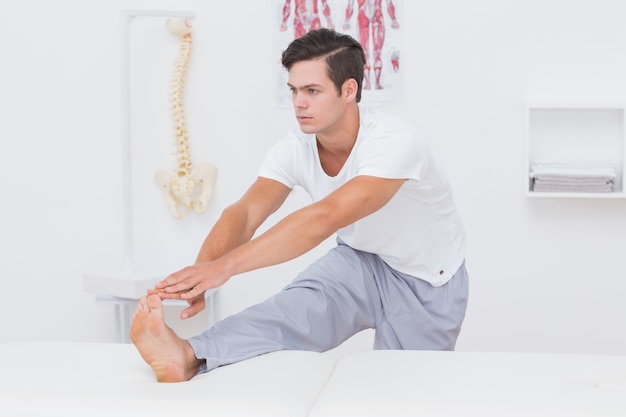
[{"x": 189, "y": 187}]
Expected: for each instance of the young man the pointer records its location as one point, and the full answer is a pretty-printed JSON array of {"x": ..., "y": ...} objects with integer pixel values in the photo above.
[{"x": 399, "y": 263}]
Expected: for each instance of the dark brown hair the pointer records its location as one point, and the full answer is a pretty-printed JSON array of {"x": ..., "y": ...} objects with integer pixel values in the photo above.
[{"x": 344, "y": 56}]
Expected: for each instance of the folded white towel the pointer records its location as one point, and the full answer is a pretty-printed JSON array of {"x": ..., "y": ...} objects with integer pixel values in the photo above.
[
  {"x": 573, "y": 170},
  {"x": 573, "y": 181},
  {"x": 572, "y": 189}
]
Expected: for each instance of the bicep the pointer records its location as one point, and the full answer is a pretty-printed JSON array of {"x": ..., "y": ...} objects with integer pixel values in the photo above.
[{"x": 359, "y": 197}]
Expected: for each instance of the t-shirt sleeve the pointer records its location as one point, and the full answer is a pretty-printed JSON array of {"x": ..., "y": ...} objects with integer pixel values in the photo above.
[
  {"x": 393, "y": 156},
  {"x": 278, "y": 163}
]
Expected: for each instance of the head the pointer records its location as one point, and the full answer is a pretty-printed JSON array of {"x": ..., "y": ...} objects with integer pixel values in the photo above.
[{"x": 343, "y": 55}]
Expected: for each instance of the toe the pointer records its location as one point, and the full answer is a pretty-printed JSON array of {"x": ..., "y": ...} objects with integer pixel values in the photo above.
[
  {"x": 154, "y": 302},
  {"x": 141, "y": 305}
]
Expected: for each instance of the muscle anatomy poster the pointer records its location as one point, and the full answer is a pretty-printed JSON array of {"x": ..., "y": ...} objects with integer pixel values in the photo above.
[{"x": 376, "y": 24}]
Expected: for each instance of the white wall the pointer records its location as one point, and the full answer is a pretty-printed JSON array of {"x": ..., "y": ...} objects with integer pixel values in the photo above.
[{"x": 546, "y": 274}]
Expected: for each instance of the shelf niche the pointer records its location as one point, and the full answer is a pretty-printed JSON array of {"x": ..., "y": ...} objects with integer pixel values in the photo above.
[{"x": 566, "y": 132}]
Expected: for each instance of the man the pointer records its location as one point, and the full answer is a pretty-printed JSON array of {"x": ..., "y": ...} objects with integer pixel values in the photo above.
[{"x": 399, "y": 263}]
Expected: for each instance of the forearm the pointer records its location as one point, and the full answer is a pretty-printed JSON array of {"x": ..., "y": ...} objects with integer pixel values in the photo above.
[
  {"x": 293, "y": 236},
  {"x": 231, "y": 231}
]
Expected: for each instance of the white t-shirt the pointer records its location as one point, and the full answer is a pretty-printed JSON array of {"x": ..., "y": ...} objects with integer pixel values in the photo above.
[{"x": 418, "y": 232}]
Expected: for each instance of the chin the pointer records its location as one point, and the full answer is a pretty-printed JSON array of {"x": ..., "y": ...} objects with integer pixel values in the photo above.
[{"x": 308, "y": 129}]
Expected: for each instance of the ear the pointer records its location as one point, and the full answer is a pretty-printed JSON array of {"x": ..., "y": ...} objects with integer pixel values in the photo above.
[{"x": 350, "y": 88}]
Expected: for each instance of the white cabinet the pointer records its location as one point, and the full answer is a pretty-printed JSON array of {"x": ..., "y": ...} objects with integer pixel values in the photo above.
[{"x": 584, "y": 132}]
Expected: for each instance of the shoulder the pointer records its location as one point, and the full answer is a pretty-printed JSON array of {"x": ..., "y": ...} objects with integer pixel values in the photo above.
[
  {"x": 376, "y": 121},
  {"x": 389, "y": 147},
  {"x": 287, "y": 158},
  {"x": 379, "y": 129},
  {"x": 373, "y": 118}
]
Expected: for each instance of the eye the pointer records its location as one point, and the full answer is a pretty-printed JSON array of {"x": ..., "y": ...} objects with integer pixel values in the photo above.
[{"x": 313, "y": 91}]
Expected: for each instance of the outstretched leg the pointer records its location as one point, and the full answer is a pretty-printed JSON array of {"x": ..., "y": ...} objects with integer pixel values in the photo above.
[
  {"x": 172, "y": 359},
  {"x": 330, "y": 301}
]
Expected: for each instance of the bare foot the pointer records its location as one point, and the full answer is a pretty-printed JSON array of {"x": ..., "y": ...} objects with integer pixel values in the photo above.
[{"x": 171, "y": 358}]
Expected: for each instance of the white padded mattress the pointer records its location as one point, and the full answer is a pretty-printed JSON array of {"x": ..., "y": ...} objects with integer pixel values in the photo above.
[
  {"x": 457, "y": 384},
  {"x": 85, "y": 380},
  {"x": 74, "y": 379}
]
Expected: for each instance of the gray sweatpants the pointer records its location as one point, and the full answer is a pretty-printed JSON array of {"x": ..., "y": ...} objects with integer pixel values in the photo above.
[{"x": 339, "y": 295}]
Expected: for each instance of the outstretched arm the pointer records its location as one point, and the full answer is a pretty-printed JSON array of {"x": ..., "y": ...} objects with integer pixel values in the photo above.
[
  {"x": 293, "y": 236},
  {"x": 239, "y": 222},
  {"x": 236, "y": 225}
]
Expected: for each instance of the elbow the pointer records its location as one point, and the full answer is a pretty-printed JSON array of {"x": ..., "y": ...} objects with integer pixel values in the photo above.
[
  {"x": 324, "y": 221},
  {"x": 240, "y": 221}
]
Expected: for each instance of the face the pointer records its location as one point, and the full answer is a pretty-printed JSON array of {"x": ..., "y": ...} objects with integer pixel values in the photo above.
[{"x": 319, "y": 107}]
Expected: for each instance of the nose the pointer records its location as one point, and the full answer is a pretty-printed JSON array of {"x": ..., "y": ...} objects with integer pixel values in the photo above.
[{"x": 298, "y": 100}]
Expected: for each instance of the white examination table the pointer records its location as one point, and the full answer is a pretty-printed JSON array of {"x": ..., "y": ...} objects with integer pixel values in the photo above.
[{"x": 73, "y": 379}]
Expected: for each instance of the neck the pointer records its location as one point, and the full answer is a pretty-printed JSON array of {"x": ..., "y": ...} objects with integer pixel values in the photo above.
[
  {"x": 340, "y": 140},
  {"x": 334, "y": 147}
]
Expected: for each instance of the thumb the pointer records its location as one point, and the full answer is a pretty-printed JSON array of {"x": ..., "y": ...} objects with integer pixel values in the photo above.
[{"x": 196, "y": 306}]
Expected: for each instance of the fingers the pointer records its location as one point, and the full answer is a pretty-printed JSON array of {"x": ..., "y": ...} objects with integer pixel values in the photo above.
[
  {"x": 165, "y": 295},
  {"x": 195, "y": 298},
  {"x": 196, "y": 305},
  {"x": 186, "y": 294},
  {"x": 172, "y": 282},
  {"x": 192, "y": 293},
  {"x": 181, "y": 281}
]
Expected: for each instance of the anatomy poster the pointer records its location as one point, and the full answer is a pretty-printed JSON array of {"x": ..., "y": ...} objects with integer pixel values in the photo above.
[{"x": 376, "y": 24}]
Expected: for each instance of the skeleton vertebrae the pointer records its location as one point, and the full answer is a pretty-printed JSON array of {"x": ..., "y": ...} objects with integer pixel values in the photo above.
[{"x": 191, "y": 186}]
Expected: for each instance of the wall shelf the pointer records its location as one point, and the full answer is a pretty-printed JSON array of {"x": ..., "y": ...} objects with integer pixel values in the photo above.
[{"x": 575, "y": 131}]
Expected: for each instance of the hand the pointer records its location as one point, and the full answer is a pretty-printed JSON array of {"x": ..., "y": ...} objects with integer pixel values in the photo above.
[
  {"x": 196, "y": 304},
  {"x": 190, "y": 284}
]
